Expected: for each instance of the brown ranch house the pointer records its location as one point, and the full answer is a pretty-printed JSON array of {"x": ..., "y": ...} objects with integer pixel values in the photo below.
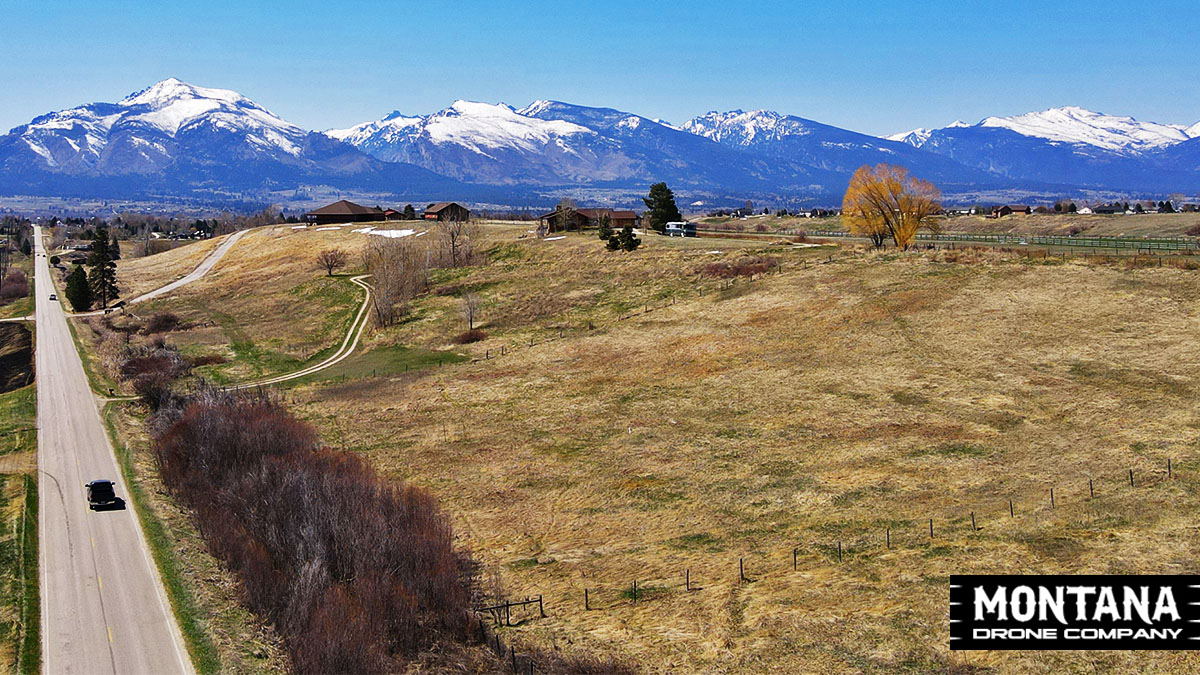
[
  {"x": 343, "y": 212},
  {"x": 582, "y": 218},
  {"x": 1009, "y": 209},
  {"x": 447, "y": 211}
]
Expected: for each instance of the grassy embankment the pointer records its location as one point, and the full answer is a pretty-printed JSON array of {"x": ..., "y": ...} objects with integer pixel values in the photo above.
[
  {"x": 831, "y": 403},
  {"x": 20, "y": 640}
]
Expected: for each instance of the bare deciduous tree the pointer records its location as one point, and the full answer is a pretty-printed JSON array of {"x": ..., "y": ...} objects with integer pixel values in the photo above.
[
  {"x": 400, "y": 271},
  {"x": 457, "y": 240},
  {"x": 471, "y": 306},
  {"x": 332, "y": 259}
]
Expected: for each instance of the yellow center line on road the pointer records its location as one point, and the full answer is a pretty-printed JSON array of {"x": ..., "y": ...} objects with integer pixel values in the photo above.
[
  {"x": 100, "y": 580},
  {"x": 110, "y": 634}
]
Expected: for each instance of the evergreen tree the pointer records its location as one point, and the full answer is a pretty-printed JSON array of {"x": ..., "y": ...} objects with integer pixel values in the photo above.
[
  {"x": 660, "y": 208},
  {"x": 103, "y": 275},
  {"x": 605, "y": 228},
  {"x": 409, "y": 213},
  {"x": 114, "y": 249},
  {"x": 26, "y": 247},
  {"x": 614, "y": 242},
  {"x": 78, "y": 292},
  {"x": 627, "y": 240}
]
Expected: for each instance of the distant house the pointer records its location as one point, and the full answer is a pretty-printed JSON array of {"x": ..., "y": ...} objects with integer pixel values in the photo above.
[
  {"x": 1110, "y": 209},
  {"x": 1085, "y": 211},
  {"x": 343, "y": 212},
  {"x": 1009, "y": 209},
  {"x": 447, "y": 211},
  {"x": 584, "y": 218},
  {"x": 392, "y": 214}
]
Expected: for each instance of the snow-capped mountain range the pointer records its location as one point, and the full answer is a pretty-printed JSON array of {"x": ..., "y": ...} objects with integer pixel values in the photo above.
[
  {"x": 1078, "y": 126},
  {"x": 177, "y": 139}
]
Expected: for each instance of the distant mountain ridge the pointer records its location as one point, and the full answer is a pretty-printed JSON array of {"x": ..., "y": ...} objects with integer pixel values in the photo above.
[{"x": 178, "y": 139}]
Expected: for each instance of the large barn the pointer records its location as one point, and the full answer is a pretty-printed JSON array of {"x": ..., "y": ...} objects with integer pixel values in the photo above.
[
  {"x": 447, "y": 211},
  {"x": 343, "y": 212}
]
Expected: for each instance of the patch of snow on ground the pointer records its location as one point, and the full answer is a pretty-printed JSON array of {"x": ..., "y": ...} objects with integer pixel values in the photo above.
[
  {"x": 363, "y": 230},
  {"x": 553, "y": 238},
  {"x": 392, "y": 234},
  {"x": 713, "y": 252},
  {"x": 332, "y": 227},
  {"x": 299, "y": 227}
]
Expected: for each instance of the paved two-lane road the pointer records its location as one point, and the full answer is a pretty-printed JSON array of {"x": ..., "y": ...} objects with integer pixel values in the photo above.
[{"x": 103, "y": 607}]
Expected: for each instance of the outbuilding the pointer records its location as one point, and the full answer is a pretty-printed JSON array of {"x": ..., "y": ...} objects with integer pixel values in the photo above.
[
  {"x": 1009, "y": 209},
  {"x": 451, "y": 211}
]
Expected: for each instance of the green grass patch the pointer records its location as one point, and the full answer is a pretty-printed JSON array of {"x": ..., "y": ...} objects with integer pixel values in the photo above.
[
  {"x": 29, "y": 659},
  {"x": 19, "y": 307},
  {"x": 18, "y": 420},
  {"x": 382, "y": 362},
  {"x": 699, "y": 541},
  {"x": 189, "y": 614}
]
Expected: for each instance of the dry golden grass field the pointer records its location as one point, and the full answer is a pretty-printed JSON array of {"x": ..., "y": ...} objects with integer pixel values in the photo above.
[
  {"x": 1150, "y": 224},
  {"x": 846, "y": 396}
]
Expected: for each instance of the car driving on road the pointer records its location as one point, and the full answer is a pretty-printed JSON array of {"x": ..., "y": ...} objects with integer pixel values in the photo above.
[
  {"x": 100, "y": 494},
  {"x": 53, "y": 296}
]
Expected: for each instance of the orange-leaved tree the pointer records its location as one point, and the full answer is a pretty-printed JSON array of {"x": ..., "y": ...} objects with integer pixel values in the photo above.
[{"x": 886, "y": 201}]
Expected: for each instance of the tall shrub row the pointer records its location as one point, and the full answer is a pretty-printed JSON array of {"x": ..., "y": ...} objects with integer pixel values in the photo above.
[{"x": 356, "y": 573}]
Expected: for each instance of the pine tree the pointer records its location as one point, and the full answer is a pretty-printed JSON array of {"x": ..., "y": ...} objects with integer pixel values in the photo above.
[
  {"x": 409, "y": 213},
  {"x": 605, "y": 229},
  {"x": 661, "y": 208},
  {"x": 614, "y": 242},
  {"x": 627, "y": 239},
  {"x": 78, "y": 292},
  {"x": 26, "y": 247},
  {"x": 103, "y": 275}
]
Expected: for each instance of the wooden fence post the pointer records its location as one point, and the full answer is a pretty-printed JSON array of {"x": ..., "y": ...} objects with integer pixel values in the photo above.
[
  {"x": 512, "y": 653},
  {"x": 1131, "y": 478},
  {"x": 1168, "y": 467},
  {"x": 635, "y": 591},
  {"x": 931, "y": 528},
  {"x": 973, "y": 528},
  {"x": 687, "y": 579},
  {"x": 1091, "y": 489},
  {"x": 795, "y": 552},
  {"x": 839, "y": 551},
  {"x": 541, "y": 607},
  {"x": 887, "y": 534},
  {"x": 1011, "y": 512},
  {"x": 586, "y": 607},
  {"x": 1051, "y": 497}
]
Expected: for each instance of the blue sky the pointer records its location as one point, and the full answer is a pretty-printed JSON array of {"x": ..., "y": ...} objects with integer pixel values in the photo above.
[{"x": 872, "y": 66}]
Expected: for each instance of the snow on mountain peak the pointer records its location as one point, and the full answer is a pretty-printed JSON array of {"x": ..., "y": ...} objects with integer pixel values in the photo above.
[
  {"x": 915, "y": 138},
  {"x": 1072, "y": 124},
  {"x": 483, "y": 126},
  {"x": 745, "y": 127}
]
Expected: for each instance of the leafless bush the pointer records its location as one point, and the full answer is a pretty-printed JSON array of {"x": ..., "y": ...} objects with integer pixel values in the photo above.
[
  {"x": 456, "y": 244},
  {"x": 742, "y": 267},
  {"x": 467, "y": 337},
  {"x": 162, "y": 322},
  {"x": 207, "y": 360},
  {"x": 15, "y": 286},
  {"x": 357, "y": 574},
  {"x": 400, "y": 271}
]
